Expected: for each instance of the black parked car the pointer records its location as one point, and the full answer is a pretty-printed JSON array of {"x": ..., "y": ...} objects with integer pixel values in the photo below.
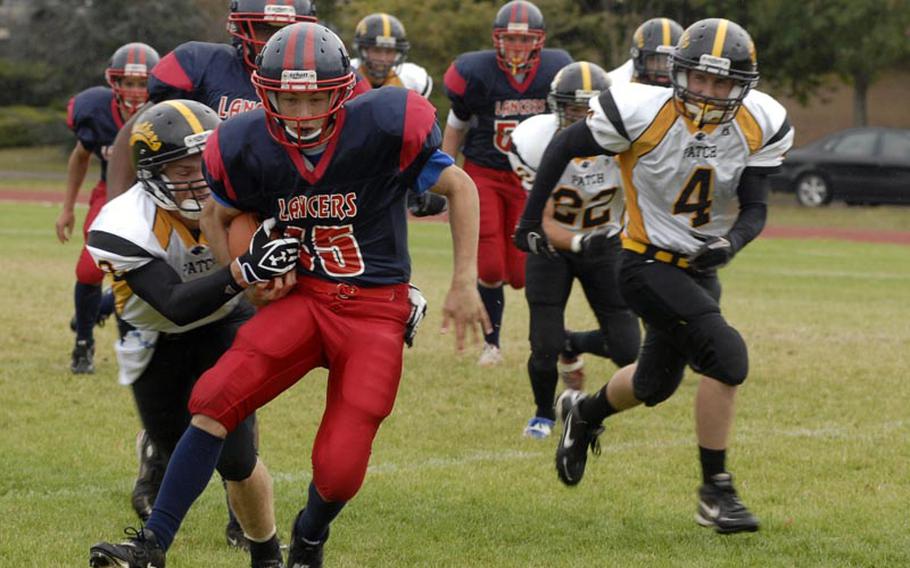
[{"x": 858, "y": 166}]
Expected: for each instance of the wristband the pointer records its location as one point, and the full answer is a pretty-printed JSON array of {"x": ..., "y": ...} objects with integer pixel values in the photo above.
[{"x": 576, "y": 243}]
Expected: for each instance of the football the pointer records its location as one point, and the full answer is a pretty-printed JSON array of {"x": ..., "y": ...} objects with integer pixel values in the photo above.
[{"x": 240, "y": 232}]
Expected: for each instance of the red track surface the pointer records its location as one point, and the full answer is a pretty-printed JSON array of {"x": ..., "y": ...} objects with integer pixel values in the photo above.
[{"x": 857, "y": 235}]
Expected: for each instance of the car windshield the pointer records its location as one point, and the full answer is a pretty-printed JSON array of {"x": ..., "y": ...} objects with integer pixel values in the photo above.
[
  {"x": 896, "y": 145},
  {"x": 855, "y": 144}
]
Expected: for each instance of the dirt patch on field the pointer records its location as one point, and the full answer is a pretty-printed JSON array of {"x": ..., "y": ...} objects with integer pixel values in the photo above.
[
  {"x": 828, "y": 233},
  {"x": 40, "y": 196}
]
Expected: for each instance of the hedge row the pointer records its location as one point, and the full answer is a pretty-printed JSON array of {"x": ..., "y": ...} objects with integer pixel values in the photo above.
[{"x": 32, "y": 126}]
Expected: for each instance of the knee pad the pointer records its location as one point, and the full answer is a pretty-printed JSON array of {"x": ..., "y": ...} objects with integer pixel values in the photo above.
[
  {"x": 238, "y": 457},
  {"x": 653, "y": 386},
  {"x": 623, "y": 339},
  {"x": 717, "y": 350}
]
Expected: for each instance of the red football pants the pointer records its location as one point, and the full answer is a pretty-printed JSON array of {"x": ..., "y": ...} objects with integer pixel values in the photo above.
[
  {"x": 502, "y": 199},
  {"x": 86, "y": 271},
  {"x": 358, "y": 333}
]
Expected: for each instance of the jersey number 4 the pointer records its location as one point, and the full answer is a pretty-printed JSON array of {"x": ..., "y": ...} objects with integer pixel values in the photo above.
[
  {"x": 502, "y": 132},
  {"x": 695, "y": 197},
  {"x": 335, "y": 248}
]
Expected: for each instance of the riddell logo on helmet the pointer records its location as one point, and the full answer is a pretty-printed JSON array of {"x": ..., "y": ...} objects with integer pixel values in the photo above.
[
  {"x": 135, "y": 70},
  {"x": 516, "y": 27},
  {"x": 298, "y": 79},
  {"x": 283, "y": 14}
]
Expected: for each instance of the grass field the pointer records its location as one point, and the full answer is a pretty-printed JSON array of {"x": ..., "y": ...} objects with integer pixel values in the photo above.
[{"x": 820, "y": 449}]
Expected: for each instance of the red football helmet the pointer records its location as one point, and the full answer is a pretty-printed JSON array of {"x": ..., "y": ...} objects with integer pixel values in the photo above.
[
  {"x": 252, "y": 22},
  {"x": 518, "y": 36},
  {"x": 131, "y": 61},
  {"x": 304, "y": 58}
]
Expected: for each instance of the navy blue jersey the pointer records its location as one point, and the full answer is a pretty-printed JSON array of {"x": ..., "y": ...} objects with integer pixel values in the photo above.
[
  {"x": 93, "y": 115},
  {"x": 213, "y": 74},
  {"x": 495, "y": 103},
  {"x": 210, "y": 73},
  {"x": 349, "y": 210}
]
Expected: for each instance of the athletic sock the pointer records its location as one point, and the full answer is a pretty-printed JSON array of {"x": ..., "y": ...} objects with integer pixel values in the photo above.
[
  {"x": 596, "y": 408},
  {"x": 588, "y": 342},
  {"x": 543, "y": 384},
  {"x": 188, "y": 473},
  {"x": 494, "y": 300},
  {"x": 265, "y": 550},
  {"x": 313, "y": 522},
  {"x": 87, "y": 298},
  {"x": 712, "y": 463}
]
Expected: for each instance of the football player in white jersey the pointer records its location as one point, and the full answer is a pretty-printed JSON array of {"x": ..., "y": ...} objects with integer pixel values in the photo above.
[
  {"x": 652, "y": 43},
  {"x": 695, "y": 161},
  {"x": 582, "y": 221},
  {"x": 382, "y": 44},
  {"x": 178, "y": 310}
]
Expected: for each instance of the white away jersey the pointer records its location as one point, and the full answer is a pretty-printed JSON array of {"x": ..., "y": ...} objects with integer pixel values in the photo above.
[
  {"x": 588, "y": 194},
  {"x": 408, "y": 75},
  {"x": 623, "y": 73},
  {"x": 679, "y": 179},
  {"x": 155, "y": 234}
]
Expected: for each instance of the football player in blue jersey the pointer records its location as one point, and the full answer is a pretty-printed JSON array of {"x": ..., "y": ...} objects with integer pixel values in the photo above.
[
  {"x": 95, "y": 116},
  {"x": 492, "y": 91},
  {"x": 334, "y": 173},
  {"x": 216, "y": 74}
]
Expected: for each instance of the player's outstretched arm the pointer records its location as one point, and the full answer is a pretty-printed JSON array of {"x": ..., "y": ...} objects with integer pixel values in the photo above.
[
  {"x": 76, "y": 168},
  {"x": 121, "y": 175},
  {"x": 463, "y": 307}
]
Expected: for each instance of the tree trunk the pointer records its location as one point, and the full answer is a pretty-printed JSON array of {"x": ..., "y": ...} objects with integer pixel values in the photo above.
[{"x": 860, "y": 90}]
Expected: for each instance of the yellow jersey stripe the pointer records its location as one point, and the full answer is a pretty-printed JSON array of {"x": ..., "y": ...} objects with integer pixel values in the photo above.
[
  {"x": 665, "y": 26},
  {"x": 386, "y": 26},
  {"x": 187, "y": 115},
  {"x": 751, "y": 129},
  {"x": 122, "y": 293},
  {"x": 585, "y": 76},
  {"x": 650, "y": 138},
  {"x": 162, "y": 229},
  {"x": 720, "y": 38}
]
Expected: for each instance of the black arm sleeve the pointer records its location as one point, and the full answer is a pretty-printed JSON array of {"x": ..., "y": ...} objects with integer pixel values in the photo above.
[
  {"x": 571, "y": 142},
  {"x": 181, "y": 302},
  {"x": 753, "y": 208}
]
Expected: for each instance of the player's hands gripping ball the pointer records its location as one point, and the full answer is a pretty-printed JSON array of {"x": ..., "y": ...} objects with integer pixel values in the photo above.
[{"x": 268, "y": 258}]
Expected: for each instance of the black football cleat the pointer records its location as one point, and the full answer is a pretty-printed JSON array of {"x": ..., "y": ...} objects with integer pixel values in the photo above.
[
  {"x": 83, "y": 357},
  {"x": 152, "y": 465},
  {"x": 303, "y": 553},
  {"x": 233, "y": 533},
  {"x": 577, "y": 437},
  {"x": 271, "y": 563},
  {"x": 719, "y": 507},
  {"x": 141, "y": 550}
]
